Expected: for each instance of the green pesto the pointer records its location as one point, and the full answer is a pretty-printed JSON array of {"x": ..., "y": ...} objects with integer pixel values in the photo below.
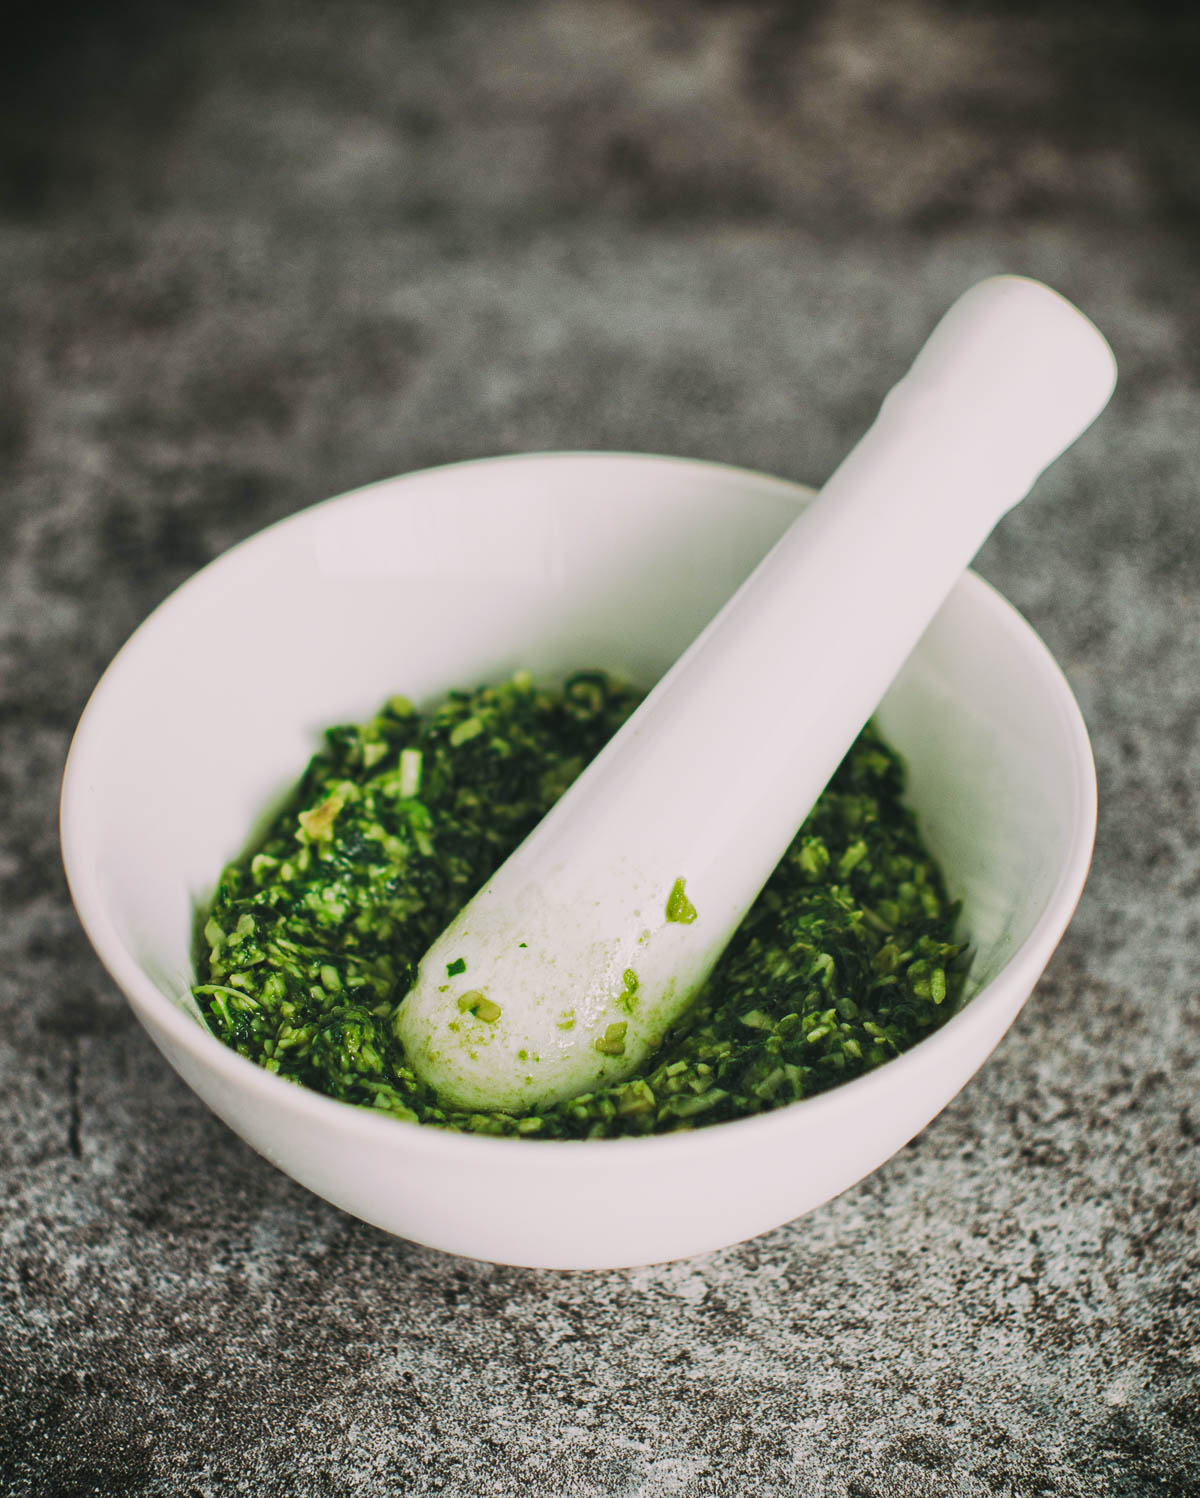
[
  {"x": 679, "y": 907},
  {"x": 847, "y": 958}
]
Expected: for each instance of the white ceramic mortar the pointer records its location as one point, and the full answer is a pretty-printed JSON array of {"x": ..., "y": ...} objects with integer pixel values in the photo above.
[{"x": 462, "y": 575}]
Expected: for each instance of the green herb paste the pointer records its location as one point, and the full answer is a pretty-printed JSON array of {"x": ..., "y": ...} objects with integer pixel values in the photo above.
[{"x": 847, "y": 958}]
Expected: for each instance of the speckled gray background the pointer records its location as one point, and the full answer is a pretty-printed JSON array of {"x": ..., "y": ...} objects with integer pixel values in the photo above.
[{"x": 256, "y": 254}]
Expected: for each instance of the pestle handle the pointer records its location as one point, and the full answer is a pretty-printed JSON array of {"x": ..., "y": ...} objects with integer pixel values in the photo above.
[{"x": 710, "y": 779}]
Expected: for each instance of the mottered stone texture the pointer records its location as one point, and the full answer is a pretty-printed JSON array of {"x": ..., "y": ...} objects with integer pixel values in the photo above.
[{"x": 252, "y": 255}]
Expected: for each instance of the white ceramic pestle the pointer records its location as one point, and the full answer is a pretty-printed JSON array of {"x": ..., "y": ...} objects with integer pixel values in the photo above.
[{"x": 567, "y": 968}]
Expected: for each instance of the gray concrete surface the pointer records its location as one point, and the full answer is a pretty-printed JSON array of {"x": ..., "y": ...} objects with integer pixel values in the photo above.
[{"x": 253, "y": 255}]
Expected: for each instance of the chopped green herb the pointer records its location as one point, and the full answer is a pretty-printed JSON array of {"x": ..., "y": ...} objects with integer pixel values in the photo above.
[
  {"x": 847, "y": 957},
  {"x": 477, "y": 1003},
  {"x": 318, "y": 823},
  {"x": 464, "y": 732},
  {"x": 679, "y": 907},
  {"x": 459, "y": 965},
  {"x": 612, "y": 1042}
]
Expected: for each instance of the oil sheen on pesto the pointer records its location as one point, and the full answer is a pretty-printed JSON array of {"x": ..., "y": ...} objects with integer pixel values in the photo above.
[{"x": 847, "y": 958}]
